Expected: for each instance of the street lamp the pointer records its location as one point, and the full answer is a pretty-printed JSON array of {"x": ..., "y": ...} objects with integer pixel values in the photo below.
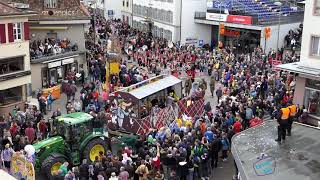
[
  {"x": 220, "y": 9},
  {"x": 279, "y": 16}
]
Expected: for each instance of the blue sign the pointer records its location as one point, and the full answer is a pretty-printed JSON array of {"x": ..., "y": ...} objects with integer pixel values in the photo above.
[
  {"x": 265, "y": 166},
  {"x": 110, "y": 13},
  {"x": 200, "y": 43},
  {"x": 226, "y": 4}
]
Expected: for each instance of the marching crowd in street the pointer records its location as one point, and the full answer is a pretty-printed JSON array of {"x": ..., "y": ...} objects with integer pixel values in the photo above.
[{"x": 246, "y": 86}]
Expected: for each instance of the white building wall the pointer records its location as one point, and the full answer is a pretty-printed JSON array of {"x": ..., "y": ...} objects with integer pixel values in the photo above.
[
  {"x": 126, "y": 11},
  {"x": 190, "y": 29},
  {"x": 114, "y": 5},
  {"x": 310, "y": 28},
  {"x": 273, "y": 40},
  {"x": 173, "y": 6}
]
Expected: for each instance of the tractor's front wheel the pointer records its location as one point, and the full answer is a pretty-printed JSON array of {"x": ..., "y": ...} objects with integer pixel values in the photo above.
[
  {"x": 91, "y": 151},
  {"x": 52, "y": 164}
]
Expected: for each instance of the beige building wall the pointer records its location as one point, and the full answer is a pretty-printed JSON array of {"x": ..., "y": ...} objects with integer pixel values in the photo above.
[
  {"x": 311, "y": 26},
  {"x": 14, "y": 49},
  {"x": 36, "y": 68},
  {"x": 73, "y": 32},
  {"x": 299, "y": 90},
  {"x": 36, "y": 76}
]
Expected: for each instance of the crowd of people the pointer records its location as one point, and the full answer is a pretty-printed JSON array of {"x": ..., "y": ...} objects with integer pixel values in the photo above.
[
  {"x": 293, "y": 38},
  {"x": 246, "y": 87},
  {"x": 51, "y": 46}
]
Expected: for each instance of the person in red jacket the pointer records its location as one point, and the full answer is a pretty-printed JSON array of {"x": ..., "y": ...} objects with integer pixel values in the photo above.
[
  {"x": 237, "y": 126},
  {"x": 30, "y": 133}
]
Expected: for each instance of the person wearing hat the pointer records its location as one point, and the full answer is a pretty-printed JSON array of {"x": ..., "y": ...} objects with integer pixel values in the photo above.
[{"x": 6, "y": 156}]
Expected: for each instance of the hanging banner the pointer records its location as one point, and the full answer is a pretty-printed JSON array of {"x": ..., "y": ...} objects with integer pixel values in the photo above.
[
  {"x": 216, "y": 17},
  {"x": 239, "y": 19}
]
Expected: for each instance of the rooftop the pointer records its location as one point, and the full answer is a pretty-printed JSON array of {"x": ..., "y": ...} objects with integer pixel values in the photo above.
[
  {"x": 7, "y": 10},
  {"x": 151, "y": 86},
  {"x": 75, "y": 118},
  {"x": 260, "y": 157},
  {"x": 301, "y": 68},
  {"x": 65, "y": 10}
]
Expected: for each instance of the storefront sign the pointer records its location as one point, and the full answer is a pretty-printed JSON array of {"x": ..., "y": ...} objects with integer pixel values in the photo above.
[
  {"x": 231, "y": 33},
  {"x": 191, "y": 41},
  {"x": 239, "y": 19},
  {"x": 61, "y": 12},
  {"x": 54, "y": 64},
  {"x": 216, "y": 17},
  {"x": 68, "y": 61}
]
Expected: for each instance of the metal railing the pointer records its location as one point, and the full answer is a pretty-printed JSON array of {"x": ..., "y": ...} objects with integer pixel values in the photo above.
[
  {"x": 298, "y": 17},
  {"x": 5, "y": 100}
]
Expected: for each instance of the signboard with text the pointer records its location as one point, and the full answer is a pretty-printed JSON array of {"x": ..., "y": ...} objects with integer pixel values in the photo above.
[
  {"x": 239, "y": 19},
  {"x": 216, "y": 17}
]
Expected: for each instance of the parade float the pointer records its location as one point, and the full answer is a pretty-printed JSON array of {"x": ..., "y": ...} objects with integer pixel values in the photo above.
[{"x": 151, "y": 104}]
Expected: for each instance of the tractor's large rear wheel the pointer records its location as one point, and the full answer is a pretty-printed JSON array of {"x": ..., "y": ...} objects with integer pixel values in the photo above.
[
  {"x": 52, "y": 164},
  {"x": 91, "y": 151}
]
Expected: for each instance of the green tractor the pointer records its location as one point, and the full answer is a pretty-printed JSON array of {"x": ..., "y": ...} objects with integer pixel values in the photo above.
[{"x": 76, "y": 139}]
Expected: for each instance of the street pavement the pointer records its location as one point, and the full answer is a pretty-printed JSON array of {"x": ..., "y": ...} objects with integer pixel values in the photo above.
[{"x": 225, "y": 170}]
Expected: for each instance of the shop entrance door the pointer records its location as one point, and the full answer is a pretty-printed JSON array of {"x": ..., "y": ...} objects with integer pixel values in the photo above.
[{"x": 53, "y": 76}]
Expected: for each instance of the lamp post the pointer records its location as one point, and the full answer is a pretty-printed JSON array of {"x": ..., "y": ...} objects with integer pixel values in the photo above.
[
  {"x": 278, "y": 36},
  {"x": 279, "y": 16},
  {"x": 220, "y": 9}
]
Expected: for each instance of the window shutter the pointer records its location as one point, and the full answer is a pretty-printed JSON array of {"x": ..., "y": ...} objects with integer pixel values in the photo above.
[
  {"x": 10, "y": 32},
  {"x": 26, "y": 31},
  {"x": 2, "y": 33}
]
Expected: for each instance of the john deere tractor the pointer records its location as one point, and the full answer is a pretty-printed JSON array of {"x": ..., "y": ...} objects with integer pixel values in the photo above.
[{"x": 75, "y": 139}]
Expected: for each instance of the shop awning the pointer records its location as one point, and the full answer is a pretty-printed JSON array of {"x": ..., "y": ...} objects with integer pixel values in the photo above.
[
  {"x": 259, "y": 157},
  {"x": 300, "y": 68},
  {"x": 154, "y": 87},
  {"x": 48, "y": 28}
]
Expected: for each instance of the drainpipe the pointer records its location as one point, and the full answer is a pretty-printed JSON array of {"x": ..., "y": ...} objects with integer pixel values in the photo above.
[{"x": 181, "y": 20}]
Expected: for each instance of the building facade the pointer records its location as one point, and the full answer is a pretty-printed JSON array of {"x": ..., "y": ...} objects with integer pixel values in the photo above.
[
  {"x": 15, "y": 71},
  {"x": 164, "y": 14},
  {"x": 113, "y": 9},
  {"x": 126, "y": 11},
  {"x": 307, "y": 89},
  {"x": 57, "y": 40}
]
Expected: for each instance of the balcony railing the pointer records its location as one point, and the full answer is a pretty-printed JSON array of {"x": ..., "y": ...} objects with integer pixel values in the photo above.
[
  {"x": 13, "y": 75},
  {"x": 293, "y": 18}
]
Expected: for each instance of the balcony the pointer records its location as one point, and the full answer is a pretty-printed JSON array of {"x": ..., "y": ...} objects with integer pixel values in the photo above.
[
  {"x": 13, "y": 75},
  {"x": 51, "y": 48},
  {"x": 259, "y": 20}
]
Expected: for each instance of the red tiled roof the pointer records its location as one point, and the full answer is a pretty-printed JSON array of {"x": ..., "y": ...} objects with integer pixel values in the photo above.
[
  {"x": 66, "y": 10},
  {"x": 7, "y": 10}
]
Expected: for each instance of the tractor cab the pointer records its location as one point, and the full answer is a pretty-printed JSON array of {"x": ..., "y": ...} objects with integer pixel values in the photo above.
[{"x": 75, "y": 139}]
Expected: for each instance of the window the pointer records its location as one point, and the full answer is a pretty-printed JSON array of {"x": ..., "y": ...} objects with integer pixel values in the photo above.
[
  {"x": 312, "y": 97},
  {"x": 17, "y": 31},
  {"x": 50, "y": 4},
  {"x": 123, "y": 3},
  {"x": 315, "y": 48},
  {"x": 127, "y": 3},
  {"x": 11, "y": 65},
  {"x": 11, "y": 95},
  {"x": 317, "y": 7}
]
